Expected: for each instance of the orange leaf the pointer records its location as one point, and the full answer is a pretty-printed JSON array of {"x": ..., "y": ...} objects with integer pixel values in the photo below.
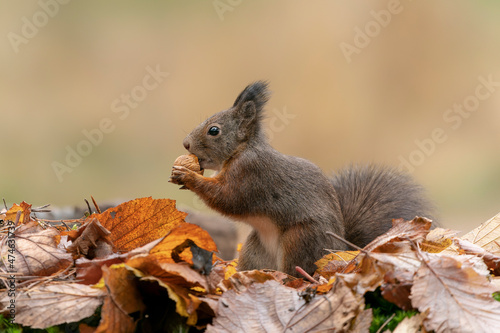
[
  {"x": 24, "y": 208},
  {"x": 163, "y": 251},
  {"x": 123, "y": 299},
  {"x": 140, "y": 221}
]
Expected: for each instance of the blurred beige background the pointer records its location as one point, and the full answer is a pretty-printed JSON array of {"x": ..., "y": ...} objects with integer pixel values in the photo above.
[{"x": 353, "y": 82}]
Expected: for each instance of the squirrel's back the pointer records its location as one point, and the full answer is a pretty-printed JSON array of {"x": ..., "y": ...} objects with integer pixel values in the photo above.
[{"x": 371, "y": 196}]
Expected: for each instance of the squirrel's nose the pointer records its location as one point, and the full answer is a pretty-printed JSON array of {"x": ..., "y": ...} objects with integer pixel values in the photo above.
[{"x": 186, "y": 143}]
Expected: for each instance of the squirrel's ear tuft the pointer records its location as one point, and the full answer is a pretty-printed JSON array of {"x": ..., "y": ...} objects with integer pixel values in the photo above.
[{"x": 256, "y": 92}]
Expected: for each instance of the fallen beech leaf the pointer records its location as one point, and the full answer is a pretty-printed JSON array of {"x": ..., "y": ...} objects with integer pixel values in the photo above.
[
  {"x": 202, "y": 259},
  {"x": 25, "y": 208},
  {"x": 410, "y": 325},
  {"x": 240, "y": 281},
  {"x": 401, "y": 230},
  {"x": 163, "y": 251},
  {"x": 439, "y": 235},
  {"x": 176, "y": 274},
  {"x": 180, "y": 280},
  {"x": 92, "y": 240},
  {"x": 334, "y": 263},
  {"x": 123, "y": 299},
  {"x": 186, "y": 303},
  {"x": 455, "y": 297},
  {"x": 272, "y": 307},
  {"x": 487, "y": 235},
  {"x": 368, "y": 278},
  {"x": 54, "y": 304},
  {"x": 35, "y": 254},
  {"x": 140, "y": 221},
  {"x": 362, "y": 322},
  {"x": 89, "y": 271},
  {"x": 490, "y": 259}
]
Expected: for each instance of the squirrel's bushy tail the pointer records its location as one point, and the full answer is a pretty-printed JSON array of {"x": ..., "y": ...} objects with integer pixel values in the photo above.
[{"x": 371, "y": 196}]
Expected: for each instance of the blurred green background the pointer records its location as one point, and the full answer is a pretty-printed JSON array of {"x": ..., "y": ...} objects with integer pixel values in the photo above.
[{"x": 352, "y": 83}]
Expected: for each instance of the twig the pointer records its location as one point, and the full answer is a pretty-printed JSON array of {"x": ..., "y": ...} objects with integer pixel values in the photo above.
[
  {"x": 305, "y": 274},
  {"x": 385, "y": 323},
  {"x": 95, "y": 205},
  {"x": 88, "y": 206},
  {"x": 345, "y": 241}
]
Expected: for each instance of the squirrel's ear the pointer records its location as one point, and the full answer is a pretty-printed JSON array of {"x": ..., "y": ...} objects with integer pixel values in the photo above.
[{"x": 257, "y": 93}]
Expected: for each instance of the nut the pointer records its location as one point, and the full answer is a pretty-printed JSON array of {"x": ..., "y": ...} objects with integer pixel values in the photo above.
[{"x": 190, "y": 162}]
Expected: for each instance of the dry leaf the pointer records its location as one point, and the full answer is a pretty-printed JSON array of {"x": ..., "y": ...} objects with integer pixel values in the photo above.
[
  {"x": 415, "y": 230},
  {"x": 334, "y": 263},
  {"x": 179, "y": 279},
  {"x": 123, "y": 298},
  {"x": 55, "y": 304},
  {"x": 362, "y": 322},
  {"x": 410, "y": 325},
  {"x": 25, "y": 208},
  {"x": 89, "y": 271},
  {"x": 35, "y": 253},
  {"x": 272, "y": 307},
  {"x": 240, "y": 281},
  {"x": 490, "y": 259},
  {"x": 163, "y": 251},
  {"x": 455, "y": 297},
  {"x": 487, "y": 235},
  {"x": 92, "y": 240},
  {"x": 140, "y": 221}
]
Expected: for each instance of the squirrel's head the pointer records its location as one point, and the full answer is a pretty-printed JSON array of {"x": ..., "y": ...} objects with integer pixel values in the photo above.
[{"x": 219, "y": 137}]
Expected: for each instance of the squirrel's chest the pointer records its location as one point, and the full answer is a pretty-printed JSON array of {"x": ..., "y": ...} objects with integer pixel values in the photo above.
[{"x": 268, "y": 234}]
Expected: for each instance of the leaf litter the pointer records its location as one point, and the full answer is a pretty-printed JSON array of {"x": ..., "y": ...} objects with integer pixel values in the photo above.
[{"x": 145, "y": 269}]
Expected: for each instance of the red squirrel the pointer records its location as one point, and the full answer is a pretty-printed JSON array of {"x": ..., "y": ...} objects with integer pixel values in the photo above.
[{"x": 288, "y": 201}]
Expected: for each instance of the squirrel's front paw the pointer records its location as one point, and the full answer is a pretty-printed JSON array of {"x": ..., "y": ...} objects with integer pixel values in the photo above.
[{"x": 181, "y": 175}]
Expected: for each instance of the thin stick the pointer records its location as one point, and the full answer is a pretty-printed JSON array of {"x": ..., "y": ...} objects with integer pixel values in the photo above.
[
  {"x": 345, "y": 241},
  {"x": 88, "y": 206},
  {"x": 385, "y": 323},
  {"x": 95, "y": 205},
  {"x": 304, "y": 273}
]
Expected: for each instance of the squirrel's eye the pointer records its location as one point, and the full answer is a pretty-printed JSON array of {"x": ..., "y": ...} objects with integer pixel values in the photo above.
[{"x": 213, "y": 131}]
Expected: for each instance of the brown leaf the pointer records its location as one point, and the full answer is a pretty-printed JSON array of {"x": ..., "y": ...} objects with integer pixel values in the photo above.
[
  {"x": 401, "y": 230},
  {"x": 140, "y": 221},
  {"x": 487, "y": 235},
  {"x": 54, "y": 304},
  {"x": 362, "y": 322},
  {"x": 25, "y": 208},
  {"x": 334, "y": 263},
  {"x": 240, "y": 281},
  {"x": 410, "y": 325},
  {"x": 176, "y": 274},
  {"x": 456, "y": 297},
  {"x": 272, "y": 307},
  {"x": 93, "y": 240},
  {"x": 89, "y": 271},
  {"x": 179, "y": 280},
  {"x": 490, "y": 259},
  {"x": 163, "y": 251},
  {"x": 123, "y": 298},
  {"x": 35, "y": 253}
]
